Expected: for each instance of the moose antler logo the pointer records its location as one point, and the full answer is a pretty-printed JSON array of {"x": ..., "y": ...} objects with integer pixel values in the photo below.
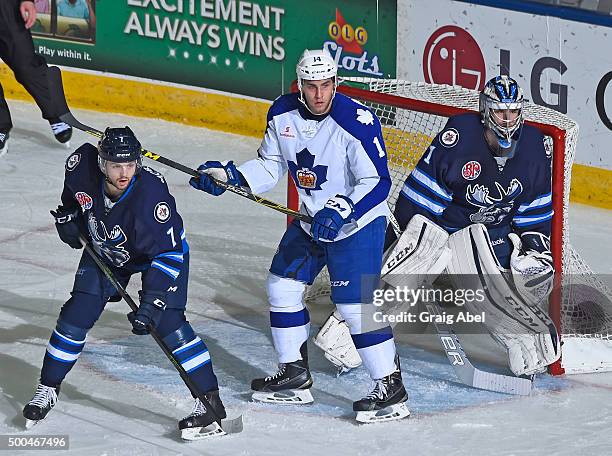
[
  {"x": 492, "y": 210},
  {"x": 110, "y": 245}
]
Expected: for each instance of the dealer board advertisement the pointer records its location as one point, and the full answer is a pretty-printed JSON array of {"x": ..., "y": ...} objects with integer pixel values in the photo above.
[{"x": 242, "y": 47}]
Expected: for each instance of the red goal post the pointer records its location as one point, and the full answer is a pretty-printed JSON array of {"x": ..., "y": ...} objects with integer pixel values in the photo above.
[{"x": 412, "y": 114}]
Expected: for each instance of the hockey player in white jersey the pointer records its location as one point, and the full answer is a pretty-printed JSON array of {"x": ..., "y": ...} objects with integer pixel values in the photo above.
[{"x": 333, "y": 149}]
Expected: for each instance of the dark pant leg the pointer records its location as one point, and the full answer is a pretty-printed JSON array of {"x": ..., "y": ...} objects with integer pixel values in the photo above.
[
  {"x": 90, "y": 294},
  {"x": 17, "y": 51}
]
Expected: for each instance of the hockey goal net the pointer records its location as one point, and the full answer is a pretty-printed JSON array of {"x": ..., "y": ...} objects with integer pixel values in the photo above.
[{"x": 411, "y": 115}]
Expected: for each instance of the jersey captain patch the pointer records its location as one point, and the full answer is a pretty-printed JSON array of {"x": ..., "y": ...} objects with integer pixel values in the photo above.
[
  {"x": 448, "y": 138},
  {"x": 162, "y": 212}
]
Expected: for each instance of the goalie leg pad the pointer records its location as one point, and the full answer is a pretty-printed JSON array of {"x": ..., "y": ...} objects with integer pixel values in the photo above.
[
  {"x": 420, "y": 254},
  {"x": 335, "y": 340},
  {"x": 522, "y": 327},
  {"x": 420, "y": 251}
]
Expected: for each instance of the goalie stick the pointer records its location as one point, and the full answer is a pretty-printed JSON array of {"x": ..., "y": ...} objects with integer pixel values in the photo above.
[
  {"x": 230, "y": 426},
  {"x": 465, "y": 370},
  {"x": 68, "y": 117}
]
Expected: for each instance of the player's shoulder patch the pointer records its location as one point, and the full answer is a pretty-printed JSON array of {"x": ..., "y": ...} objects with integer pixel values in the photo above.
[
  {"x": 365, "y": 116},
  {"x": 162, "y": 212},
  {"x": 73, "y": 161},
  {"x": 449, "y": 137}
]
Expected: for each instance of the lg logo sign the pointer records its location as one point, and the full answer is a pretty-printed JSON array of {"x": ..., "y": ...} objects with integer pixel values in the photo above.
[
  {"x": 600, "y": 98},
  {"x": 452, "y": 56}
]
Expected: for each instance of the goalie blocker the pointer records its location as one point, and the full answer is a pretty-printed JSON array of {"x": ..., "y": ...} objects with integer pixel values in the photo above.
[{"x": 514, "y": 316}]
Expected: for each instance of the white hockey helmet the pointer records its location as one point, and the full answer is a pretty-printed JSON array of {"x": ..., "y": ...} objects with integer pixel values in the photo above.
[{"x": 315, "y": 65}]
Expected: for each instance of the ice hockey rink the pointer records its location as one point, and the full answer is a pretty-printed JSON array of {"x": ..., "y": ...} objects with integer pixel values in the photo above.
[{"x": 124, "y": 397}]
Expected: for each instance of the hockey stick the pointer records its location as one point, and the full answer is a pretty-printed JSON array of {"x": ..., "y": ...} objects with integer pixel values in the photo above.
[
  {"x": 230, "y": 426},
  {"x": 68, "y": 117},
  {"x": 465, "y": 370}
]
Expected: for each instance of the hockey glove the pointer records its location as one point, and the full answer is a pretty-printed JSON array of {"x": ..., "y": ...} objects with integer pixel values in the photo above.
[
  {"x": 217, "y": 170},
  {"x": 532, "y": 265},
  {"x": 68, "y": 226},
  {"x": 326, "y": 223},
  {"x": 149, "y": 314}
]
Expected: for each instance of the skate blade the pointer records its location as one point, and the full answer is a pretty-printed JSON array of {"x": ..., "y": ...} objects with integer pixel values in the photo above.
[
  {"x": 29, "y": 424},
  {"x": 4, "y": 150},
  {"x": 233, "y": 426},
  {"x": 201, "y": 433},
  {"x": 67, "y": 144},
  {"x": 391, "y": 413},
  {"x": 284, "y": 397}
]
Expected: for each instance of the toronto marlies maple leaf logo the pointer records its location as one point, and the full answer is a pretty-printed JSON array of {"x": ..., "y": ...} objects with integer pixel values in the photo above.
[
  {"x": 492, "y": 210},
  {"x": 365, "y": 117},
  {"x": 109, "y": 245},
  {"x": 305, "y": 174}
]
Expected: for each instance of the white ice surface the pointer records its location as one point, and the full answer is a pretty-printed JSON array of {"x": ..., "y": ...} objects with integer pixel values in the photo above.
[{"x": 124, "y": 398}]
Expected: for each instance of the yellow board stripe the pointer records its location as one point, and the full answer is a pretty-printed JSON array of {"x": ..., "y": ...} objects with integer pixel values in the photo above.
[
  {"x": 591, "y": 186},
  {"x": 146, "y": 99}
]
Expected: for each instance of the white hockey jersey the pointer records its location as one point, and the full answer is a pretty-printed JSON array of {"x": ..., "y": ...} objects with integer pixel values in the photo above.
[{"x": 341, "y": 152}]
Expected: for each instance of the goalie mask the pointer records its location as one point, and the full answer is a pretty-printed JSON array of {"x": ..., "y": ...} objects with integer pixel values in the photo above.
[
  {"x": 119, "y": 145},
  {"x": 315, "y": 65},
  {"x": 501, "y": 108}
]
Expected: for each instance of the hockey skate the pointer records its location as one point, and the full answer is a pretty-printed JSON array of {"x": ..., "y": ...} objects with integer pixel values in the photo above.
[
  {"x": 41, "y": 404},
  {"x": 3, "y": 143},
  {"x": 201, "y": 423},
  {"x": 386, "y": 402},
  {"x": 61, "y": 130},
  {"x": 290, "y": 385}
]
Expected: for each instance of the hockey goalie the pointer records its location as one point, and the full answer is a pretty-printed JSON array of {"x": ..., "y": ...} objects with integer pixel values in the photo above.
[{"x": 478, "y": 205}]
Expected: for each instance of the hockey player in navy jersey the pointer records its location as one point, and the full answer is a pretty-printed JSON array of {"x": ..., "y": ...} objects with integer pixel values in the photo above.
[
  {"x": 128, "y": 215},
  {"x": 333, "y": 149},
  {"x": 486, "y": 180}
]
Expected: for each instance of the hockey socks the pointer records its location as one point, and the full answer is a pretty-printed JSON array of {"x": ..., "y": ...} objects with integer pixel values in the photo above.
[{"x": 64, "y": 348}]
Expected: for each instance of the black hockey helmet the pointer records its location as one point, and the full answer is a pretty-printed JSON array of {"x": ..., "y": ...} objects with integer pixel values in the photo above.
[{"x": 119, "y": 145}]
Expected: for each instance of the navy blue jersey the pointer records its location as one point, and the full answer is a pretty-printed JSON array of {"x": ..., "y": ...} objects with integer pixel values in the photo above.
[
  {"x": 142, "y": 232},
  {"x": 458, "y": 182}
]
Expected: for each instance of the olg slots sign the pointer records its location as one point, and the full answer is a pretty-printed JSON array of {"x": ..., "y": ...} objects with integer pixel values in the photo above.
[{"x": 349, "y": 40}]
